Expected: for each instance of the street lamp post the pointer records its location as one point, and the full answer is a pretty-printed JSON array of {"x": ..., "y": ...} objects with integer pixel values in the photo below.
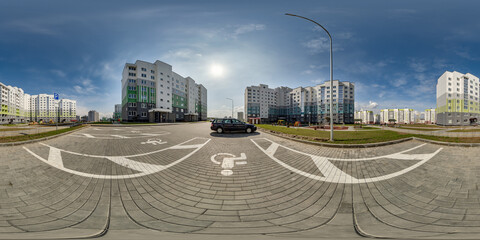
[
  {"x": 232, "y": 105},
  {"x": 331, "y": 71}
]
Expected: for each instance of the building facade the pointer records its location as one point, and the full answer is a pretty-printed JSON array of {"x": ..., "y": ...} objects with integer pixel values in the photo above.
[
  {"x": 400, "y": 116},
  {"x": 430, "y": 116},
  {"x": 304, "y": 104},
  {"x": 153, "y": 92},
  {"x": 20, "y": 107},
  {"x": 457, "y": 99},
  {"x": 117, "y": 113},
  {"x": 93, "y": 116},
  {"x": 366, "y": 116}
]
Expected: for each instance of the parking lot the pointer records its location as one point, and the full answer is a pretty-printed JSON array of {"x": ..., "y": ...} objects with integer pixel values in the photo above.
[{"x": 186, "y": 181}]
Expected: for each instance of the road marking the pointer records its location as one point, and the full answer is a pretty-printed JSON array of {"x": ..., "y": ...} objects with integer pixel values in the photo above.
[
  {"x": 154, "y": 142},
  {"x": 333, "y": 174},
  {"x": 125, "y": 136},
  {"x": 229, "y": 162},
  {"x": 55, "y": 160},
  {"x": 119, "y": 136}
]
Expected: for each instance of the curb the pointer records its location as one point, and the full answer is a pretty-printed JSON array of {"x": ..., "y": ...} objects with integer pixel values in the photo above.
[
  {"x": 40, "y": 139},
  {"x": 367, "y": 145},
  {"x": 448, "y": 143}
]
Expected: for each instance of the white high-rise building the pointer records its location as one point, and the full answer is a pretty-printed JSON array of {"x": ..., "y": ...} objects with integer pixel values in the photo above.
[
  {"x": 93, "y": 116},
  {"x": 153, "y": 92},
  {"x": 430, "y": 116},
  {"x": 401, "y": 116},
  {"x": 458, "y": 100},
  {"x": 304, "y": 104},
  {"x": 17, "y": 106},
  {"x": 366, "y": 116}
]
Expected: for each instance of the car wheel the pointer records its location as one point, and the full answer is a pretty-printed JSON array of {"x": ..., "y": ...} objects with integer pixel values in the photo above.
[
  {"x": 219, "y": 130},
  {"x": 249, "y": 130}
]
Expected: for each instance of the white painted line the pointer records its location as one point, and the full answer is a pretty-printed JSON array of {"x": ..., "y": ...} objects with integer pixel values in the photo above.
[
  {"x": 55, "y": 157},
  {"x": 331, "y": 173},
  {"x": 55, "y": 160},
  {"x": 88, "y": 135},
  {"x": 119, "y": 136}
]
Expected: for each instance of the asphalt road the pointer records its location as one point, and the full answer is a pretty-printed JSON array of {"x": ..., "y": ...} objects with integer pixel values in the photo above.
[{"x": 184, "y": 181}]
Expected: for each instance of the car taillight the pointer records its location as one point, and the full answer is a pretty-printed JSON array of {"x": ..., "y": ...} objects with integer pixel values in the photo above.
[{"x": 211, "y": 125}]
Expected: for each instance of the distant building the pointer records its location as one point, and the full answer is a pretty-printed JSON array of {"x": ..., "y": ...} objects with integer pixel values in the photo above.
[
  {"x": 366, "y": 116},
  {"x": 84, "y": 118},
  {"x": 457, "y": 99},
  {"x": 240, "y": 116},
  {"x": 93, "y": 116},
  {"x": 304, "y": 104},
  {"x": 430, "y": 116},
  {"x": 117, "y": 114},
  {"x": 401, "y": 116},
  {"x": 17, "y": 106},
  {"x": 377, "y": 119},
  {"x": 152, "y": 92}
]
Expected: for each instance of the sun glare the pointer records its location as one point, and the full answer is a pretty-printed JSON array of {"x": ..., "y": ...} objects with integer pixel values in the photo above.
[{"x": 216, "y": 70}]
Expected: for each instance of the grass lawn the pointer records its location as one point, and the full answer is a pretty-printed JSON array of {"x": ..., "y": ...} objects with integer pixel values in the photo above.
[
  {"x": 421, "y": 129},
  {"x": 466, "y": 130},
  {"x": 360, "y": 137},
  {"x": 367, "y": 128},
  {"x": 38, "y": 135},
  {"x": 341, "y": 137},
  {"x": 100, "y": 123}
]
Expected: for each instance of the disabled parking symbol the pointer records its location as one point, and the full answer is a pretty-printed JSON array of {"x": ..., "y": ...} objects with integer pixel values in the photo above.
[{"x": 229, "y": 161}]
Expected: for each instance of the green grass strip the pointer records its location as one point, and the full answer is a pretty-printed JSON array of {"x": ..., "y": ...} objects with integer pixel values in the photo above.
[
  {"x": 359, "y": 137},
  {"x": 37, "y": 136}
]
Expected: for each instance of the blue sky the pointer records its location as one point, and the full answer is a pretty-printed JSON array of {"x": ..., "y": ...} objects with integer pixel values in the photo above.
[{"x": 394, "y": 51}]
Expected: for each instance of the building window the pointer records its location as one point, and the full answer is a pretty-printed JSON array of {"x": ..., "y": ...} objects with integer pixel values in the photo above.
[
  {"x": 132, "y": 74},
  {"x": 144, "y": 75},
  {"x": 144, "y": 69}
]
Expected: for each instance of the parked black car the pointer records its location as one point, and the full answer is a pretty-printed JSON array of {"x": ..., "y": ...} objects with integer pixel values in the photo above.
[{"x": 222, "y": 125}]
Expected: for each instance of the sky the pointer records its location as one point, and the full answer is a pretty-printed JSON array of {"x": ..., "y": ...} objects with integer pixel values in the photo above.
[{"x": 394, "y": 51}]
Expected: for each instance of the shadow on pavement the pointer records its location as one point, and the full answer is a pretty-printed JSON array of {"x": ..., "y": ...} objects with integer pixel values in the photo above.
[{"x": 234, "y": 134}]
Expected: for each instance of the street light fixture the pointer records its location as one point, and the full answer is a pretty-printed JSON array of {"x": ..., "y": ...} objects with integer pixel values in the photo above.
[
  {"x": 331, "y": 71},
  {"x": 232, "y": 106}
]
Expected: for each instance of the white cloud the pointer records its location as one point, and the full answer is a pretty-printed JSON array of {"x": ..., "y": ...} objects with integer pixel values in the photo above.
[
  {"x": 371, "y": 105},
  {"x": 242, "y": 29},
  {"x": 418, "y": 66},
  {"x": 59, "y": 73},
  {"x": 184, "y": 53},
  {"x": 85, "y": 87},
  {"x": 318, "y": 45}
]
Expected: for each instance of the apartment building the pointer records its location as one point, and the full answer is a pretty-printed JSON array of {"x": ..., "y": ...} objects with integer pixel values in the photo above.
[
  {"x": 400, "y": 116},
  {"x": 18, "y": 107},
  {"x": 153, "y": 92},
  {"x": 117, "y": 113},
  {"x": 93, "y": 116},
  {"x": 365, "y": 116},
  {"x": 457, "y": 99},
  {"x": 430, "y": 116},
  {"x": 304, "y": 104}
]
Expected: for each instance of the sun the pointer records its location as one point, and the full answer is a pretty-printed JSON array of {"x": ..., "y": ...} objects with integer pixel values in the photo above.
[{"x": 217, "y": 70}]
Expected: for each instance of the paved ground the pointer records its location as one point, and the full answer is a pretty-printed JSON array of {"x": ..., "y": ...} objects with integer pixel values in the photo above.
[{"x": 185, "y": 182}]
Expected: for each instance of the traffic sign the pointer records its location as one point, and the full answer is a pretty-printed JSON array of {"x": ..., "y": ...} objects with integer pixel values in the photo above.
[{"x": 55, "y": 96}]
